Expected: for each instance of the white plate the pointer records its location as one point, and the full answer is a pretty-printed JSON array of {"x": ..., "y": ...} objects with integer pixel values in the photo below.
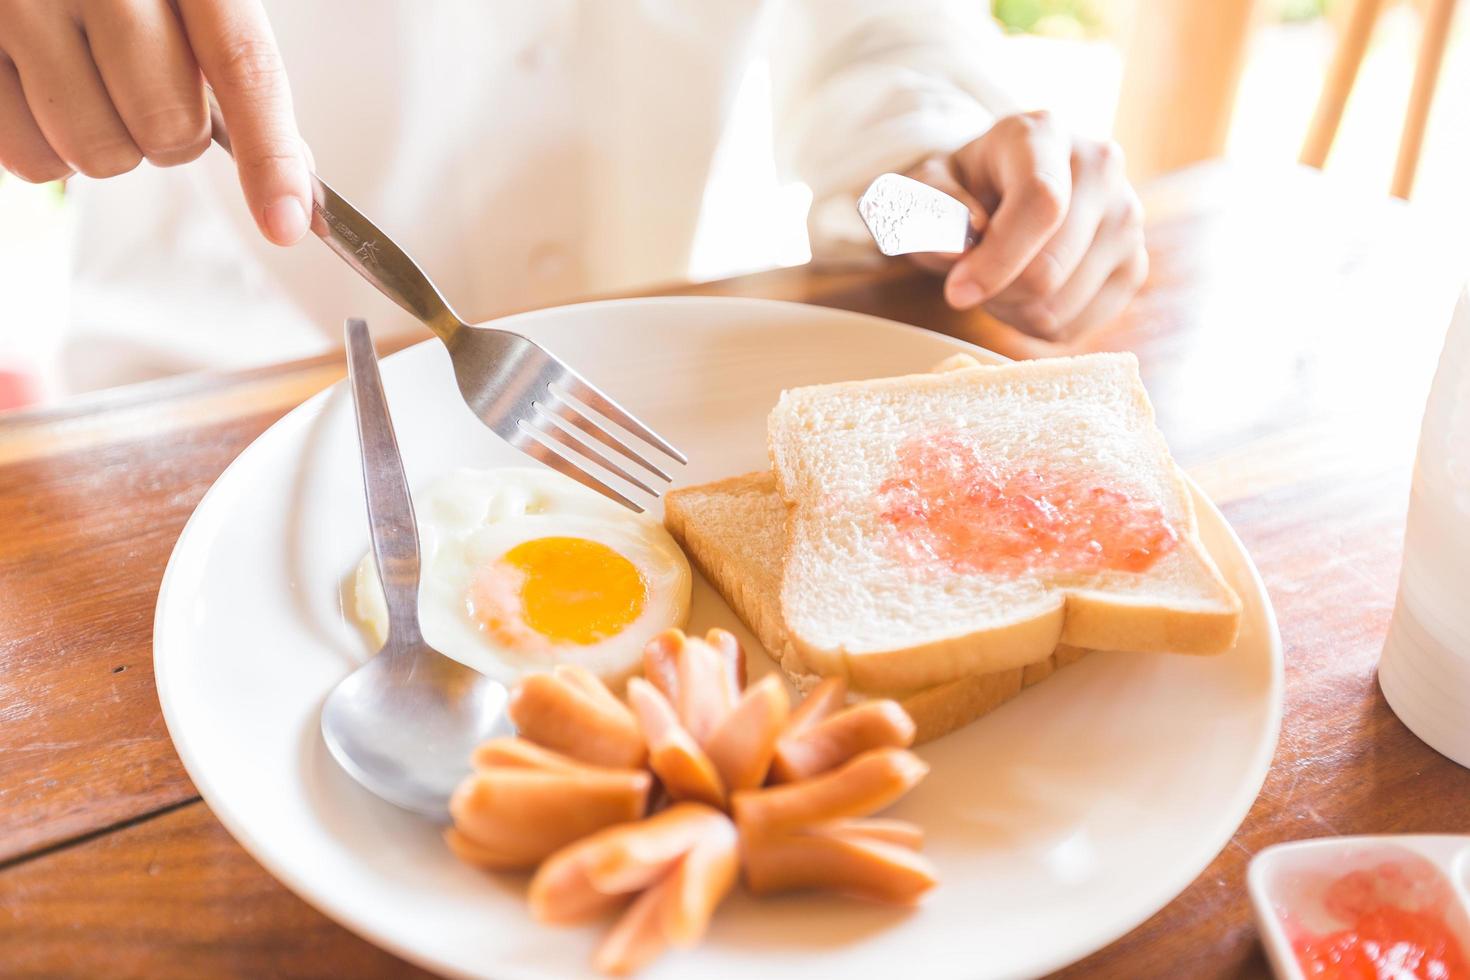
[{"x": 1058, "y": 823}]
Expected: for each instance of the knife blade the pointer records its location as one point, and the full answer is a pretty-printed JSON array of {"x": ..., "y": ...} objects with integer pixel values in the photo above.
[{"x": 905, "y": 215}]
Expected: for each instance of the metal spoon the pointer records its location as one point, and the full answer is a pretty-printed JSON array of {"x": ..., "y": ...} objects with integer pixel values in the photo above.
[{"x": 404, "y": 723}]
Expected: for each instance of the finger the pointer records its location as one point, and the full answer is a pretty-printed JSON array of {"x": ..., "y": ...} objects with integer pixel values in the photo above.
[
  {"x": 1051, "y": 316},
  {"x": 1114, "y": 296},
  {"x": 1094, "y": 182},
  {"x": 1119, "y": 239},
  {"x": 237, "y": 52},
  {"x": 69, "y": 102},
  {"x": 23, "y": 149},
  {"x": 1027, "y": 164},
  {"x": 151, "y": 77}
]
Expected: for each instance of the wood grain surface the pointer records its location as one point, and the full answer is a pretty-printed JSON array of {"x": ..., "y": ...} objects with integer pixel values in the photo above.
[{"x": 1287, "y": 335}]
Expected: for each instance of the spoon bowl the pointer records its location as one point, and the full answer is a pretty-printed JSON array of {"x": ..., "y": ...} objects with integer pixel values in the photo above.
[{"x": 405, "y": 723}]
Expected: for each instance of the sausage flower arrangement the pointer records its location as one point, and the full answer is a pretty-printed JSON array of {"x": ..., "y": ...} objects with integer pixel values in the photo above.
[{"x": 657, "y": 805}]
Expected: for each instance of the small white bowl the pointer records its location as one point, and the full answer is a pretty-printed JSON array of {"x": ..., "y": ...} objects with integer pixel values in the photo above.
[{"x": 1287, "y": 882}]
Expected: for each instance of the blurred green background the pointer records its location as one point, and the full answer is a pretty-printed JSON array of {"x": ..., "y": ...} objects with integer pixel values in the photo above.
[{"x": 1087, "y": 18}]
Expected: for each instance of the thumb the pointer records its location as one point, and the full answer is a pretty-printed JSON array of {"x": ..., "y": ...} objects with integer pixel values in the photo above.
[{"x": 236, "y": 50}]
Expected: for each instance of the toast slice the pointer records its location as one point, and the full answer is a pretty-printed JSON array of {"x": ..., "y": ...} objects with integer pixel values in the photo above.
[
  {"x": 734, "y": 531},
  {"x": 944, "y": 526}
]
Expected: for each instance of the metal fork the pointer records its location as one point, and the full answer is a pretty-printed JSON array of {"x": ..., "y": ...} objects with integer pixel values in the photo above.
[{"x": 527, "y": 395}]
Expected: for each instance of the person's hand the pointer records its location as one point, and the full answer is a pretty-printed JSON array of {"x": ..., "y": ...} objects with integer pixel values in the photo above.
[
  {"x": 1061, "y": 231},
  {"x": 95, "y": 86}
]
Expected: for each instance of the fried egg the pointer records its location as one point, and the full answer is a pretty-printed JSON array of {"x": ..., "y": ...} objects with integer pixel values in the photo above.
[{"x": 523, "y": 569}]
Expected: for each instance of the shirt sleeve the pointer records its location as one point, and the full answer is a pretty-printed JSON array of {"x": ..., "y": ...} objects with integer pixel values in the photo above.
[{"x": 861, "y": 87}]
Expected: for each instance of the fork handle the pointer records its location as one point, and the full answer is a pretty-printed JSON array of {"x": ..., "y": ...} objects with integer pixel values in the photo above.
[{"x": 362, "y": 245}]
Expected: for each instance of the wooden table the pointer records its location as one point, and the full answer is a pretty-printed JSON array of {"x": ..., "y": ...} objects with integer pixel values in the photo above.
[{"x": 1288, "y": 334}]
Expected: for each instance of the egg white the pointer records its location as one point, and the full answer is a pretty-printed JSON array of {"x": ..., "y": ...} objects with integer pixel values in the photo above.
[{"x": 470, "y": 518}]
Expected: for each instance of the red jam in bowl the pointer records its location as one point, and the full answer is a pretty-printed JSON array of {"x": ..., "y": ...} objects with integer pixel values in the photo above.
[
  {"x": 1397, "y": 929},
  {"x": 947, "y": 503}
]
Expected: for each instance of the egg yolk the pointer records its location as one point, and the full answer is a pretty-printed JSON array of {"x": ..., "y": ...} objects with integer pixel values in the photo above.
[{"x": 570, "y": 589}]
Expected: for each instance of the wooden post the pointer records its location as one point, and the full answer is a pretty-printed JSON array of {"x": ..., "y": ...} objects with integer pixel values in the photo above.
[
  {"x": 1437, "y": 22},
  {"x": 1182, "y": 66},
  {"x": 1340, "y": 77}
]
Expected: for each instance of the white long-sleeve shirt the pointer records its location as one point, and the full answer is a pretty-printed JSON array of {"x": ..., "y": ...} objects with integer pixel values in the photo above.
[{"x": 526, "y": 152}]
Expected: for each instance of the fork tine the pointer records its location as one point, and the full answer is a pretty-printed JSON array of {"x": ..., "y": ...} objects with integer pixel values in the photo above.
[
  {"x": 545, "y": 423},
  {"x": 568, "y": 413},
  {"x": 584, "y": 391},
  {"x": 530, "y": 442}
]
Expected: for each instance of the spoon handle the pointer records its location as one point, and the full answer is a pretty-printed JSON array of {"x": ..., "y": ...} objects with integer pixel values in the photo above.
[{"x": 390, "y": 508}]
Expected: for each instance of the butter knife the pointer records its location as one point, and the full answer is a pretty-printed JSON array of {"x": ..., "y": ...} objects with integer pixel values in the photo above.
[{"x": 905, "y": 215}]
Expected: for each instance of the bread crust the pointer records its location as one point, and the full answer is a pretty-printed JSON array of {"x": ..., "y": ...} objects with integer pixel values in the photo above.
[
  {"x": 969, "y": 675},
  {"x": 1089, "y": 617},
  {"x": 936, "y": 710}
]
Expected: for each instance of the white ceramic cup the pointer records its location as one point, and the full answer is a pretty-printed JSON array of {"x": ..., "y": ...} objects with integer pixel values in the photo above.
[{"x": 1425, "y": 667}]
